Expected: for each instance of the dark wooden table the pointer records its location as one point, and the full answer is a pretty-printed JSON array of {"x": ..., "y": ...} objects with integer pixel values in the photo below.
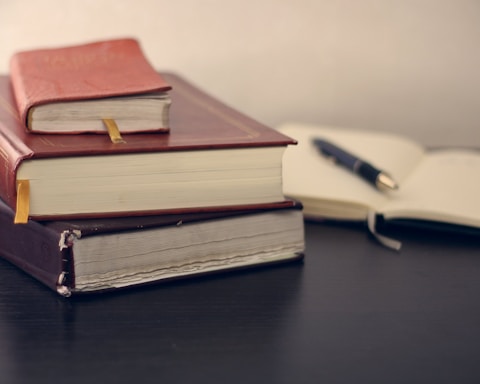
[{"x": 353, "y": 312}]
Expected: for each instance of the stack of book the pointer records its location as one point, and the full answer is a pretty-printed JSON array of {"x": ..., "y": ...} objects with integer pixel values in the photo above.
[{"x": 107, "y": 183}]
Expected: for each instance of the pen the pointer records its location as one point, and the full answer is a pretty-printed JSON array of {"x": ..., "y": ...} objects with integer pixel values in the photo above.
[{"x": 368, "y": 172}]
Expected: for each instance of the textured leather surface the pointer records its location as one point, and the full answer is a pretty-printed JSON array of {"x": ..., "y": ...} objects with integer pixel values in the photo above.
[{"x": 89, "y": 71}]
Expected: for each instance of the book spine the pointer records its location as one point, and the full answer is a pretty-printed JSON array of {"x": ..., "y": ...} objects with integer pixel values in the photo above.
[
  {"x": 35, "y": 249},
  {"x": 21, "y": 98},
  {"x": 13, "y": 149}
]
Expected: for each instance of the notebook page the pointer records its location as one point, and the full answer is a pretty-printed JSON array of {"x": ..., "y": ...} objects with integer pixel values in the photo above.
[
  {"x": 331, "y": 190},
  {"x": 444, "y": 187}
]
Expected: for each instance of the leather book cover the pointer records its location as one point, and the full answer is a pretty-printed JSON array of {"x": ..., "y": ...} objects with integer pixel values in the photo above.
[
  {"x": 101, "y": 226},
  {"x": 32, "y": 247},
  {"x": 35, "y": 247},
  {"x": 197, "y": 121},
  {"x": 89, "y": 71}
]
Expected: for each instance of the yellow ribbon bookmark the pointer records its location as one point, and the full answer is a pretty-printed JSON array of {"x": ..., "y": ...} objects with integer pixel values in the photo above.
[
  {"x": 23, "y": 202},
  {"x": 113, "y": 131}
]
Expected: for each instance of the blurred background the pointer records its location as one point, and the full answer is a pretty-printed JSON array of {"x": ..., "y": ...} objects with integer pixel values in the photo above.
[{"x": 408, "y": 66}]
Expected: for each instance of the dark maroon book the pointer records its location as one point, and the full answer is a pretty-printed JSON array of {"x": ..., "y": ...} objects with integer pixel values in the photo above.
[
  {"x": 214, "y": 158},
  {"x": 96, "y": 255}
]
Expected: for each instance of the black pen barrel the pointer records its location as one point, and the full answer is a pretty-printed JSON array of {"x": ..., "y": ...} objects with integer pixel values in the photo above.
[
  {"x": 368, "y": 172},
  {"x": 331, "y": 150}
]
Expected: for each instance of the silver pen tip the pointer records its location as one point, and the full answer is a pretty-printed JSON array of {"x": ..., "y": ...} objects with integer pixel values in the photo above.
[{"x": 385, "y": 182}]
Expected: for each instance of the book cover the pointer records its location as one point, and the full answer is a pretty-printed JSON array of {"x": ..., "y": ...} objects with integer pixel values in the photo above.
[
  {"x": 99, "y": 70},
  {"x": 83, "y": 256},
  {"x": 199, "y": 123}
]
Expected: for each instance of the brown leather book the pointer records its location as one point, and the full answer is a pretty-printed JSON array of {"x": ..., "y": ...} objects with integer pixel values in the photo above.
[
  {"x": 213, "y": 158},
  {"x": 71, "y": 89},
  {"x": 86, "y": 256}
]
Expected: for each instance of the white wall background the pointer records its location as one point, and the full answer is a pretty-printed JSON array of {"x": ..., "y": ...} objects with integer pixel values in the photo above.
[{"x": 402, "y": 65}]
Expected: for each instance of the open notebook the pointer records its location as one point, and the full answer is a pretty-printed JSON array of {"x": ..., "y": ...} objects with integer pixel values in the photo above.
[{"x": 441, "y": 185}]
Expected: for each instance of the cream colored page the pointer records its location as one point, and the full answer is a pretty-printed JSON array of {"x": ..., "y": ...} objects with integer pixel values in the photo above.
[
  {"x": 445, "y": 187},
  {"x": 309, "y": 175}
]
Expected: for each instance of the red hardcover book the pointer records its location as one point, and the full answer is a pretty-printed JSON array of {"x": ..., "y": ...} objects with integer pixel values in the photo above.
[
  {"x": 213, "y": 158},
  {"x": 71, "y": 89},
  {"x": 85, "y": 256}
]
